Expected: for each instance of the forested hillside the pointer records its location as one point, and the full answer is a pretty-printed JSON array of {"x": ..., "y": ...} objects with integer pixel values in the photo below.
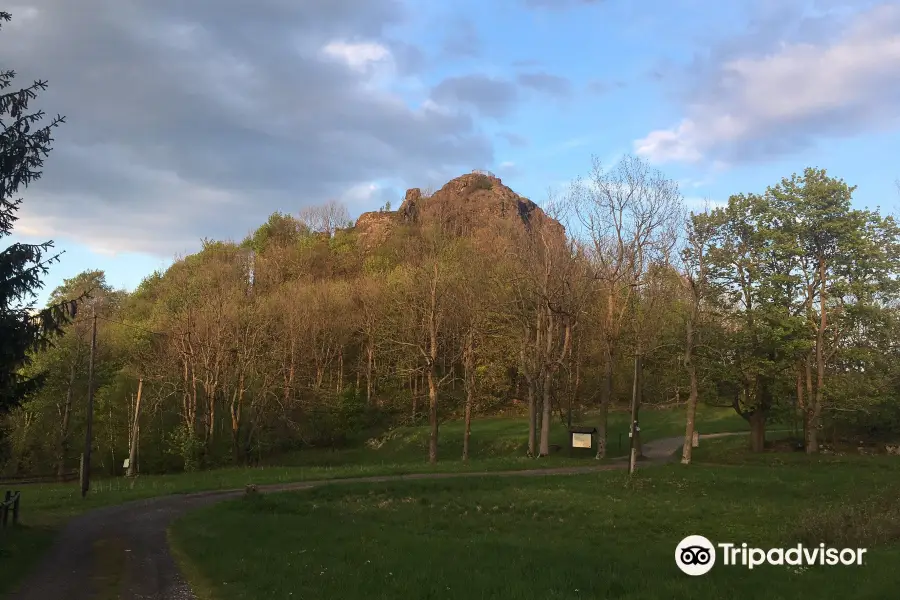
[{"x": 471, "y": 301}]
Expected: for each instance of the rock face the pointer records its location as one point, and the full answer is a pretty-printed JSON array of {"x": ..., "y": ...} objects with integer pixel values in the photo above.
[
  {"x": 374, "y": 228},
  {"x": 471, "y": 203}
]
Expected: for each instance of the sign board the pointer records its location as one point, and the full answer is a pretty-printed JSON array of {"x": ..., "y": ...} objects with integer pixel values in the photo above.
[
  {"x": 126, "y": 463},
  {"x": 581, "y": 440},
  {"x": 696, "y": 441}
]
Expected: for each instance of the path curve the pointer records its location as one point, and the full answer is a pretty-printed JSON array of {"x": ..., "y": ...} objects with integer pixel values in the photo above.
[{"x": 132, "y": 536}]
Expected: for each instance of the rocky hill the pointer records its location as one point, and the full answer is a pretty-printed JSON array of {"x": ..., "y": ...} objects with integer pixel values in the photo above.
[{"x": 468, "y": 204}]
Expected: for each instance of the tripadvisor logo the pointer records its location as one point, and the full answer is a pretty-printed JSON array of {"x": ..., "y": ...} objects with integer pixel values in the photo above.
[{"x": 696, "y": 555}]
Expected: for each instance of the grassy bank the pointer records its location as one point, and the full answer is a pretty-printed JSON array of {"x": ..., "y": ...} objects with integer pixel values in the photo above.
[
  {"x": 497, "y": 444},
  {"x": 595, "y": 536}
]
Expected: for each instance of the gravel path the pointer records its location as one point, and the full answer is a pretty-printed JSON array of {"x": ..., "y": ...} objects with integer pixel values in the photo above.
[{"x": 121, "y": 552}]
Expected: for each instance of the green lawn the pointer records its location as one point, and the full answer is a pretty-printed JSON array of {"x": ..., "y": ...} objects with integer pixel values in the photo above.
[
  {"x": 507, "y": 437},
  {"x": 596, "y": 536},
  {"x": 497, "y": 444}
]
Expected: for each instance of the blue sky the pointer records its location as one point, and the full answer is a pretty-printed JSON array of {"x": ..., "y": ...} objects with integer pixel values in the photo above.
[{"x": 192, "y": 122}]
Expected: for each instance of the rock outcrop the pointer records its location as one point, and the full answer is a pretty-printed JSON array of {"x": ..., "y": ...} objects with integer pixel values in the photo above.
[{"x": 472, "y": 203}]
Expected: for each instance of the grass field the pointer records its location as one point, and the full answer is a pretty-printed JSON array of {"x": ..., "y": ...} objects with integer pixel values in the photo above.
[
  {"x": 575, "y": 537},
  {"x": 497, "y": 444}
]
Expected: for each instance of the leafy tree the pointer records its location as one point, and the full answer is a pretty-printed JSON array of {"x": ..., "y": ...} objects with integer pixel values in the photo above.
[
  {"x": 843, "y": 265},
  {"x": 747, "y": 268},
  {"x": 24, "y": 143}
]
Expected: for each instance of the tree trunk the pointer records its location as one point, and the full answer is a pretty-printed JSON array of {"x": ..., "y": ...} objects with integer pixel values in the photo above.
[
  {"x": 574, "y": 399},
  {"x": 469, "y": 365},
  {"x": 340, "y": 385},
  {"x": 135, "y": 431},
  {"x": 532, "y": 418},
  {"x": 289, "y": 378},
  {"x": 692, "y": 397},
  {"x": 468, "y": 427},
  {"x": 432, "y": 415},
  {"x": 370, "y": 358},
  {"x": 545, "y": 416},
  {"x": 809, "y": 398},
  {"x": 605, "y": 398},
  {"x": 815, "y": 402},
  {"x": 237, "y": 412},
  {"x": 432, "y": 365},
  {"x": 691, "y": 419},
  {"x": 757, "y": 421},
  {"x": 812, "y": 437},
  {"x": 414, "y": 385},
  {"x": 211, "y": 413},
  {"x": 64, "y": 427}
]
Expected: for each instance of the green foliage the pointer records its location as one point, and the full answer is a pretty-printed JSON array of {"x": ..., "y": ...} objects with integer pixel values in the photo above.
[
  {"x": 482, "y": 182},
  {"x": 24, "y": 142},
  {"x": 776, "y": 261},
  {"x": 280, "y": 230},
  {"x": 186, "y": 444}
]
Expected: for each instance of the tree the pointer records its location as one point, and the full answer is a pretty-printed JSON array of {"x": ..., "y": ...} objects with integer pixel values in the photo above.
[
  {"x": 695, "y": 282},
  {"x": 24, "y": 143},
  {"x": 799, "y": 276},
  {"x": 472, "y": 315},
  {"x": 841, "y": 260},
  {"x": 746, "y": 266},
  {"x": 326, "y": 218},
  {"x": 422, "y": 299},
  {"x": 630, "y": 213}
]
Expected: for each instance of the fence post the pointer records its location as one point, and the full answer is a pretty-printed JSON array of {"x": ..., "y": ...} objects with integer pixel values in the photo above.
[
  {"x": 16, "y": 508},
  {"x": 6, "y": 507}
]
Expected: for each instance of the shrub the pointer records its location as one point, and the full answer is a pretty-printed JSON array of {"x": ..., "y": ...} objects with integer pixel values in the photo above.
[{"x": 482, "y": 182}]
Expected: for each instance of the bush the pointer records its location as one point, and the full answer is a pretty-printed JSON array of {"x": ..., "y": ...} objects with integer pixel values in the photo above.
[{"x": 482, "y": 182}]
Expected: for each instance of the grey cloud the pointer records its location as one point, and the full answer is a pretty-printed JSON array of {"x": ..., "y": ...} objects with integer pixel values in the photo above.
[
  {"x": 599, "y": 86},
  {"x": 463, "y": 39},
  {"x": 514, "y": 139},
  {"x": 202, "y": 117},
  {"x": 410, "y": 59},
  {"x": 489, "y": 96},
  {"x": 546, "y": 83}
]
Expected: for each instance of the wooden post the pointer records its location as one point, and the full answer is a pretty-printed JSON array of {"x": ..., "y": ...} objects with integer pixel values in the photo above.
[
  {"x": 16, "y": 508},
  {"x": 132, "y": 449},
  {"x": 635, "y": 401},
  {"x": 86, "y": 457},
  {"x": 695, "y": 442}
]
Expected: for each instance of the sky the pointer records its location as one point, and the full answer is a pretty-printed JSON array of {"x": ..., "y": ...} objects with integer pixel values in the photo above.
[{"x": 193, "y": 120}]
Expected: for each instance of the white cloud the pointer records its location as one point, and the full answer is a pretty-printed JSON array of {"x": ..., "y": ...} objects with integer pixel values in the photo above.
[
  {"x": 358, "y": 55},
  {"x": 761, "y": 105}
]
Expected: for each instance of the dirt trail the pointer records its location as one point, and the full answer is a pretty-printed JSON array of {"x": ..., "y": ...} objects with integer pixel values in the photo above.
[{"x": 121, "y": 552}]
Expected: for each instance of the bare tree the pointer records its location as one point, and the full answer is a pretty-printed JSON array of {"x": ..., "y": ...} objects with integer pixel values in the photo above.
[
  {"x": 630, "y": 216},
  {"x": 325, "y": 218},
  {"x": 422, "y": 299}
]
